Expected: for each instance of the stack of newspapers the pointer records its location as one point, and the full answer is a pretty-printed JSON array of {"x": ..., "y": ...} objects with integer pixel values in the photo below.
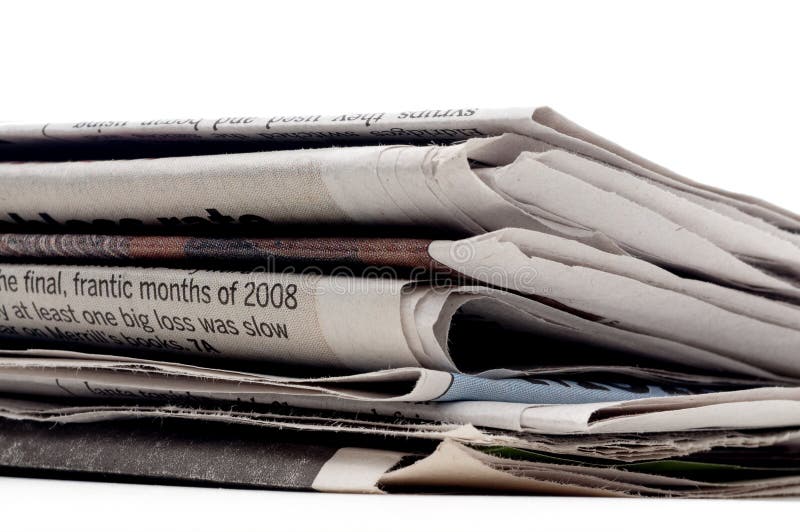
[{"x": 457, "y": 300}]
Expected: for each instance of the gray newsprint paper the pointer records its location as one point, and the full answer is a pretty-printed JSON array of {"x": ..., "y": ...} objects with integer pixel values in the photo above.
[
  {"x": 373, "y": 323},
  {"x": 626, "y": 447},
  {"x": 105, "y": 377},
  {"x": 187, "y": 451},
  {"x": 536, "y": 405},
  {"x": 356, "y": 323},
  {"x": 420, "y": 126},
  {"x": 475, "y": 187}
]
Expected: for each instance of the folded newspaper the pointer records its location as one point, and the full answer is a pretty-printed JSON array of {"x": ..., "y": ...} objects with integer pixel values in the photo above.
[{"x": 458, "y": 300}]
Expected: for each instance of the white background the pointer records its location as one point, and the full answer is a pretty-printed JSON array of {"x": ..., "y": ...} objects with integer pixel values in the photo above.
[{"x": 707, "y": 89}]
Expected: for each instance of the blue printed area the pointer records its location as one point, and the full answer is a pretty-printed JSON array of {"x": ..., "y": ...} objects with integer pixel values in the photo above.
[{"x": 545, "y": 391}]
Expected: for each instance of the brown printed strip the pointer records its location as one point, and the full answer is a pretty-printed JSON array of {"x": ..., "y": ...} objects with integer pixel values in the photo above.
[{"x": 390, "y": 252}]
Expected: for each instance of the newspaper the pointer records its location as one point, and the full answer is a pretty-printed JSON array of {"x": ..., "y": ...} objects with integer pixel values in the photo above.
[
  {"x": 411, "y": 258},
  {"x": 370, "y": 323},
  {"x": 582, "y": 322},
  {"x": 420, "y": 126},
  {"x": 626, "y": 448},
  {"x": 517, "y": 404},
  {"x": 453, "y": 466},
  {"x": 432, "y": 186},
  {"x": 367, "y": 323},
  {"x": 132, "y": 378},
  {"x": 111, "y": 378},
  {"x": 200, "y": 454},
  {"x": 442, "y": 125}
]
